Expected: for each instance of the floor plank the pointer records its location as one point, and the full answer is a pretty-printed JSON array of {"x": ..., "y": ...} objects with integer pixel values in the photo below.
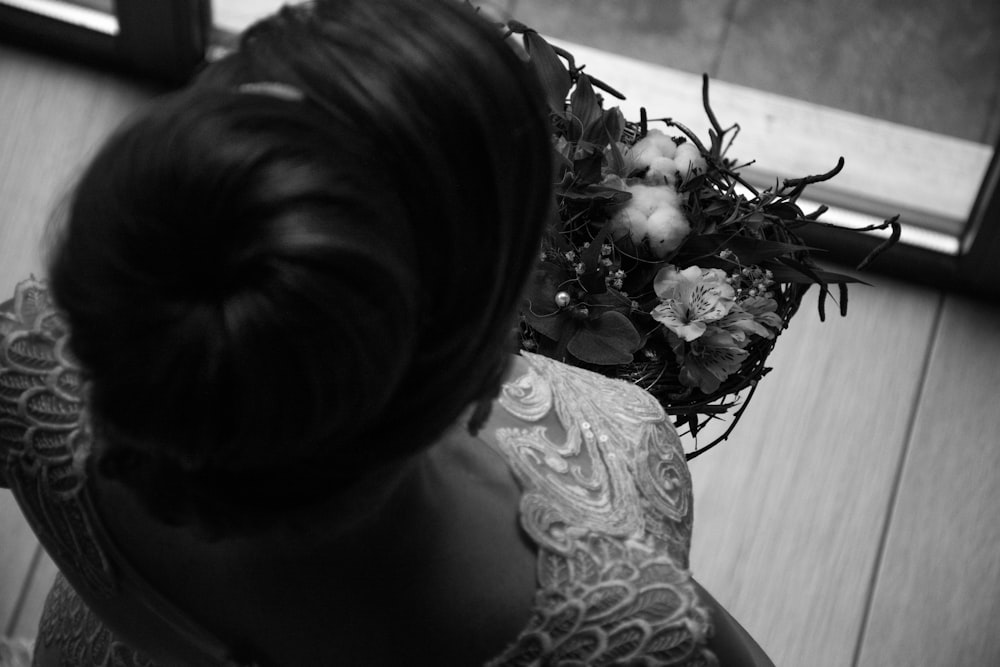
[
  {"x": 17, "y": 549},
  {"x": 52, "y": 119},
  {"x": 937, "y": 598},
  {"x": 789, "y": 513},
  {"x": 36, "y": 589}
]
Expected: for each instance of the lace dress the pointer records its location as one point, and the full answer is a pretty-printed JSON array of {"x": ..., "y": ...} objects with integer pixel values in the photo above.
[{"x": 606, "y": 499}]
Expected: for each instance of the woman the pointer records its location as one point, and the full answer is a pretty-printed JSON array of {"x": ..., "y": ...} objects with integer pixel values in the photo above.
[{"x": 267, "y": 414}]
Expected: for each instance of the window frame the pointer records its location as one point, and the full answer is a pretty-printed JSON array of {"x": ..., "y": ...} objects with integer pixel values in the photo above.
[
  {"x": 165, "y": 39},
  {"x": 972, "y": 270}
]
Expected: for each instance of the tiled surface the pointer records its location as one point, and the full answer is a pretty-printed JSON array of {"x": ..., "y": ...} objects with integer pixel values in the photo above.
[
  {"x": 930, "y": 64},
  {"x": 924, "y": 63},
  {"x": 682, "y": 34}
]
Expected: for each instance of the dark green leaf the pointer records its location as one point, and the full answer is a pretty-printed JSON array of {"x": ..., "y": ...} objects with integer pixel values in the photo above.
[
  {"x": 606, "y": 129},
  {"x": 748, "y": 250},
  {"x": 694, "y": 183},
  {"x": 552, "y": 326},
  {"x": 599, "y": 193},
  {"x": 810, "y": 271},
  {"x": 607, "y": 340},
  {"x": 595, "y": 280},
  {"x": 784, "y": 210},
  {"x": 785, "y": 274},
  {"x": 588, "y": 169},
  {"x": 755, "y": 220},
  {"x": 591, "y": 256},
  {"x": 551, "y": 70},
  {"x": 614, "y": 124},
  {"x": 539, "y": 306},
  {"x": 561, "y": 159},
  {"x": 584, "y": 105}
]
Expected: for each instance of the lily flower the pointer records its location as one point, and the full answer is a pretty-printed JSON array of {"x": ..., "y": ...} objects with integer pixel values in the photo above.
[
  {"x": 691, "y": 299},
  {"x": 708, "y": 361}
]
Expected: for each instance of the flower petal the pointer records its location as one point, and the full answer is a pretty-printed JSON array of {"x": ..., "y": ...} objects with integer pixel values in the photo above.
[
  {"x": 674, "y": 315},
  {"x": 706, "y": 366},
  {"x": 740, "y": 323},
  {"x": 763, "y": 310},
  {"x": 670, "y": 282},
  {"x": 711, "y": 301}
]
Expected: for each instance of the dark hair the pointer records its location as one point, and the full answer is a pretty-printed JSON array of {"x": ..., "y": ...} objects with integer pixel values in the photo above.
[{"x": 271, "y": 297}]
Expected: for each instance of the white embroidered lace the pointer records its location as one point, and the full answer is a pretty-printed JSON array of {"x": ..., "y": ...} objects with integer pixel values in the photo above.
[{"x": 607, "y": 500}]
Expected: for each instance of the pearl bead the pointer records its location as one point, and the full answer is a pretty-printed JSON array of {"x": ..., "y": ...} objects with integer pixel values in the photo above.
[{"x": 562, "y": 299}]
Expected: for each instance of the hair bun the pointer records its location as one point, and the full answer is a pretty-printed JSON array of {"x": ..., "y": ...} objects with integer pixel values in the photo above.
[{"x": 310, "y": 260}]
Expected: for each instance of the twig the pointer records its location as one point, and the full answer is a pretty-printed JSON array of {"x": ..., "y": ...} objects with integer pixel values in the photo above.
[
  {"x": 885, "y": 245},
  {"x": 798, "y": 185}
]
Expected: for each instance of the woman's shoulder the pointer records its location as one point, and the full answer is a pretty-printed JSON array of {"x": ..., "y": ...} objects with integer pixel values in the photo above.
[
  {"x": 598, "y": 452},
  {"x": 607, "y": 501},
  {"x": 535, "y": 377}
]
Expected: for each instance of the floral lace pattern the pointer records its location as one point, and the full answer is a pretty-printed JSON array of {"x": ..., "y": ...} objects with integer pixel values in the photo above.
[
  {"x": 71, "y": 628},
  {"x": 44, "y": 438},
  {"x": 608, "y": 503}
]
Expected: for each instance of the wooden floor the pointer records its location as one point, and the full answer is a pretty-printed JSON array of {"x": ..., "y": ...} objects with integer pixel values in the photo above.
[{"x": 852, "y": 518}]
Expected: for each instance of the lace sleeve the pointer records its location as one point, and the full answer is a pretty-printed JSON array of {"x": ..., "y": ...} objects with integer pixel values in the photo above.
[
  {"x": 44, "y": 439},
  {"x": 607, "y": 500},
  {"x": 38, "y": 393}
]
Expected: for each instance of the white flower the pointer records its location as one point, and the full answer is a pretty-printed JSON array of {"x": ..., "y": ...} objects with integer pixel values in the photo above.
[
  {"x": 691, "y": 299},
  {"x": 662, "y": 170},
  {"x": 654, "y": 214},
  {"x": 653, "y": 156},
  {"x": 688, "y": 159},
  {"x": 655, "y": 144}
]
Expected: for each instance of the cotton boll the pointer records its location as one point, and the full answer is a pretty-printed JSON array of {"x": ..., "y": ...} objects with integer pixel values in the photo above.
[
  {"x": 663, "y": 144},
  {"x": 689, "y": 159},
  {"x": 630, "y": 223},
  {"x": 655, "y": 144},
  {"x": 653, "y": 213},
  {"x": 666, "y": 228},
  {"x": 661, "y": 170},
  {"x": 648, "y": 198}
]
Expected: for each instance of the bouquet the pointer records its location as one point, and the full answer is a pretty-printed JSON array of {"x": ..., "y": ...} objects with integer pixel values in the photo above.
[{"x": 663, "y": 266}]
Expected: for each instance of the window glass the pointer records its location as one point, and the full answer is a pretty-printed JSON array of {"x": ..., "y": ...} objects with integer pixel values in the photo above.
[
  {"x": 96, "y": 15},
  {"x": 235, "y": 15},
  {"x": 103, "y": 5}
]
